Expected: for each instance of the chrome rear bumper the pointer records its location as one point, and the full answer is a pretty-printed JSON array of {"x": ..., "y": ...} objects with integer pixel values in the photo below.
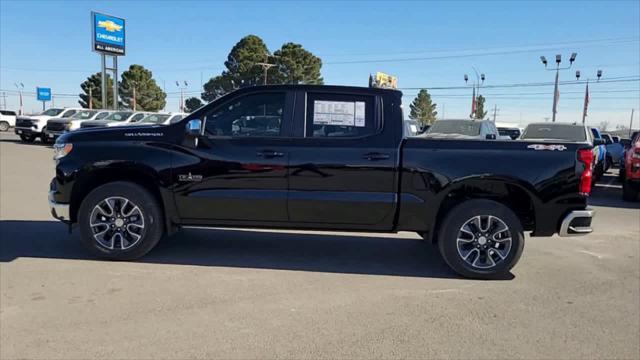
[{"x": 576, "y": 223}]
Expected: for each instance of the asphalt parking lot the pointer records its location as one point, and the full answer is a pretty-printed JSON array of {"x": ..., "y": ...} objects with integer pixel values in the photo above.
[{"x": 267, "y": 294}]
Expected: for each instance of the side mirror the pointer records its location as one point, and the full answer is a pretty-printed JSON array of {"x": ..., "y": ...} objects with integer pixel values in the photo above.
[
  {"x": 194, "y": 127},
  {"x": 598, "y": 142},
  {"x": 490, "y": 136}
]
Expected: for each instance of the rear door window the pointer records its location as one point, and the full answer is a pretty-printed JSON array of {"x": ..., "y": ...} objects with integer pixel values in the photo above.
[{"x": 340, "y": 116}]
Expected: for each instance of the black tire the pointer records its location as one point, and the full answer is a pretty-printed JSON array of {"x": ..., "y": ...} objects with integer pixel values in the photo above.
[
  {"x": 151, "y": 214},
  {"x": 27, "y": 138},
  {"x": 4, "y": 126},
  {"x": 464, "y": 213},
  {"x": 628, "y": 192},
  {"x": 43, "y": 136}
]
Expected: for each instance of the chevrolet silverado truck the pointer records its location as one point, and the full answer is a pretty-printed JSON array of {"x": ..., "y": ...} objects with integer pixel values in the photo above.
[
  {"x": 318, "y": 158},
  {"x": 35, "y": 126}
]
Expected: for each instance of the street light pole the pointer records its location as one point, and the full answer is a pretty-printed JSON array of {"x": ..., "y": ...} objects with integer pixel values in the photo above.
[
  {"x": 181, "y": 107},
  {"x": 476, "y": 93},
  {"x": 556, "y": 93},
  {"x": 20, "y": 88},
  {"x": 586, "y": 93}
]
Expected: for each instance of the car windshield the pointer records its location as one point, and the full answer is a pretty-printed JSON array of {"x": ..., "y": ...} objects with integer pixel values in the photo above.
[
  {"x": 52, "y": 112},
  {"x": 573, "y": 133},
  {"x": 511, "y": 132},
  {"x": 462, "y": 127},
  {"x": 155, "y": 119},
  {"x": 84, "y": 114},
  {"x": 119, "y": 116}
]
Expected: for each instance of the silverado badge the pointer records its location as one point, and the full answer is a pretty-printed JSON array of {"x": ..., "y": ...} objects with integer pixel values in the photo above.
[{"x": 189, "y": 177}]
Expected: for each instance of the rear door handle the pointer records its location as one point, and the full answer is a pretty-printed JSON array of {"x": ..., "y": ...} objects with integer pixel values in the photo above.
[
  {"x": 267, "y": 154},
  {"x": 374, "y": 156}
]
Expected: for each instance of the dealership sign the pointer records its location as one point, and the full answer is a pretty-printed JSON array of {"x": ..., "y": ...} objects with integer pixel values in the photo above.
[
  {"x": 44, "y": 94},
  {"x": 108, "y": 34}
]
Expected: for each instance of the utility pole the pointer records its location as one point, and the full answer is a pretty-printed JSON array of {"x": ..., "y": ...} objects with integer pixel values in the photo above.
[
  {"x": 266, "y": 66},
  {"x": 4, "y": 100},
  {"x": 631, "y": 123},
  {"x": 134, "y": 97},
  {"x": 556, "y": 93},
  {"x": 495, "y": 110},
  {"x": 181, "y": 107},
  {"x": 90, "y": 98}
]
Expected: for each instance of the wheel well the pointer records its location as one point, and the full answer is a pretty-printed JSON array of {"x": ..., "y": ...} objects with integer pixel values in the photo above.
[
  {"x": 512, "y": 196},
  {"x": 97, "y": 178}
]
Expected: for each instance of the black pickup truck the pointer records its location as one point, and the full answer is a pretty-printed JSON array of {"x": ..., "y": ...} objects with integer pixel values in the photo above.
[{"x": 320, "y": 158}]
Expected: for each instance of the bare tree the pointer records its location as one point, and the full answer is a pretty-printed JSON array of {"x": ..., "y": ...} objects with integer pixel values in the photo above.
[{"x": 604, "y": 125}]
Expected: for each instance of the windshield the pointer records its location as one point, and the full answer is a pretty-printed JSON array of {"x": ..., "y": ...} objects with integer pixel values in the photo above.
[
  {"x": 155, "y": 119},
  {"x": 52, "y": 112},
  {"x": 573, "y": 133},
  {"x": 119, "y": 116},
  {"x": 462, "y": 127},
  {"x": 84, "y": 114},
  {"x": 510, "y": 132}
]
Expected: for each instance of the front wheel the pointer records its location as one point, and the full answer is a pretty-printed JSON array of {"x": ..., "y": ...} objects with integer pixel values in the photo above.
[
  {"x": 481, "y": 239},
  {"x": 43, "y": 136},
  {"x": 27, "y": 138},
  {"x": 120, "y": 221}
]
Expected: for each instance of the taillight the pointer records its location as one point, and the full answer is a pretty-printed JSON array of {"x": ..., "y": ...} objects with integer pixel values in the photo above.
[{"x": 585, "y": 156}]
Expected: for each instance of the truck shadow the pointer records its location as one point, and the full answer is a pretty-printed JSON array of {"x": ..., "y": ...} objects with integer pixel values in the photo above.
[
  {"x": 245, "y": 249},
  {"x": 608, "y": 193}
]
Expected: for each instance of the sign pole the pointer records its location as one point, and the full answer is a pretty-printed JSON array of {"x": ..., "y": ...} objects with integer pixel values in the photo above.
[
  {"x": 103, "y": 81},
  {"x": 115, "y": 82}
]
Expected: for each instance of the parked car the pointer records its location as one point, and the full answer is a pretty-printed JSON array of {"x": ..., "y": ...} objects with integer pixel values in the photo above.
[
  {"x": 631, "y": 180},
  {"x": 31, "y": 127},
  {"x": 57, "y": 127},
  {"x": 508, "y": 129},
  {"x": 7, "y": 120},
  {"x": 614, "y": 150},
  {"x": 116, "y": 118},
  {"x": 462, "y": 129},
  {"x": 318, "y": 157},
  {"x": 161, "y": 119},
  {"x": 601, "y": 159}
]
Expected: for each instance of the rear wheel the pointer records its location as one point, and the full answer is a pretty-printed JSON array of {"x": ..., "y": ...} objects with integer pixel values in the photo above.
[
  {"x": 481, "y": 239},
  {"x": 27, "y": 138},
  {"x": 4, "y": 126},
  {"x": 120, "y": 221},
  {"x": 629, "y": 193}
]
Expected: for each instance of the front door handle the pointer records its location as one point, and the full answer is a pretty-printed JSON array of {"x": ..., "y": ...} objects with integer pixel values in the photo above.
[
  {"x": 267, "y": 154},
  {"x": 374, "y": 156}
]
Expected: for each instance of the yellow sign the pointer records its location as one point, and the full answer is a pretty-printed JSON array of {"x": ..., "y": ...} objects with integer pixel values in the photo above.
[
  {"x": 109, "y": 25},
  {"x": 386, "y": 81}
]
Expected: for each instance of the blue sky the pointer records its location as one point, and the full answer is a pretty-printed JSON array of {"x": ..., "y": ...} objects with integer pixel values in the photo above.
[{"x": 426, "y": 44}]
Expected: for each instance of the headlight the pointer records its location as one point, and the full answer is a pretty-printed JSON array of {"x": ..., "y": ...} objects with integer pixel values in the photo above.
[{"x": 61, "y": 150}]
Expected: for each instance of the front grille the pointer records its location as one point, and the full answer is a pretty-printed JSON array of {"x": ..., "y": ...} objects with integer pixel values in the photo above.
[
  {"x": 56, "y": 126},
  {"x": 25, "y": 123}
]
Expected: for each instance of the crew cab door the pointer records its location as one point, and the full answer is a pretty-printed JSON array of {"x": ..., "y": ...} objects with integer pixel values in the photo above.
[
  {"x": 343, "y": 162},
  {"x": 239, "y": 173}
]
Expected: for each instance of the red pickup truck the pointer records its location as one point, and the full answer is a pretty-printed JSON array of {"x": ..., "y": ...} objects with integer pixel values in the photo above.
[{"x": 631, "y": 183}]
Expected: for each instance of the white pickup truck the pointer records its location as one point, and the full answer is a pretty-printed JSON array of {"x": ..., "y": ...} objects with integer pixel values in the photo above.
[
  {"x": 57, "y": 127},
  {"x": 34, "y": 126}
]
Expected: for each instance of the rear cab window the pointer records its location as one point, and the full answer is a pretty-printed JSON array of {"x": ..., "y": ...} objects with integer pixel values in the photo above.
[{"x": 340, "y": 116}]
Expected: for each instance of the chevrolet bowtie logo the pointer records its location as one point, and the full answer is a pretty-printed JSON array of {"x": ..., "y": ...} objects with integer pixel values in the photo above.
[{"x": 109, "y": 25}]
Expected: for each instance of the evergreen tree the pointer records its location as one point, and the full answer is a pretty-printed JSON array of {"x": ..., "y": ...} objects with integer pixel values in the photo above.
[
  {"x": 480, "y": 113},
  {"x": 423, "y": 110},
  {"x": 149, "y": 96},
  {"x": 94, "y": 82},
  {"x": 295, "y": 65},
  {"x": 192, "y": 104}
]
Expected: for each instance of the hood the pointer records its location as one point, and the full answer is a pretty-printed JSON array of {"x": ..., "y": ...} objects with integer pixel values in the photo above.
[
  {"x": 122, "y": 133},
  {"x": 59, "y": 121},
  {"x": 96, "y": 123},
  {"x": 36, "y": 118}
]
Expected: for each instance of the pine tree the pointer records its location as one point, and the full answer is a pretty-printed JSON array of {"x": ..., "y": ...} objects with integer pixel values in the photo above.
[
  {"x": 480, "y": 113},
  {"x": 423, "y": 109},
  {"x": 148, "y": 95},
  {"x": 94, "y": 82}
]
